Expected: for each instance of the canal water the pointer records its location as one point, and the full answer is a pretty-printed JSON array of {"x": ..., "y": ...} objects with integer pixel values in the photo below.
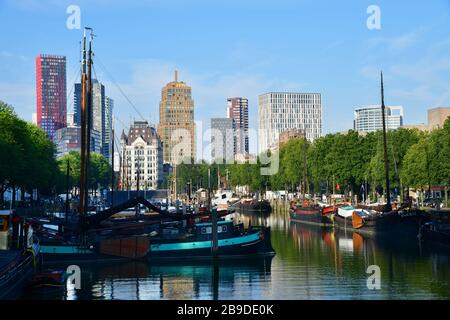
[{"x": 310, "y": 263}]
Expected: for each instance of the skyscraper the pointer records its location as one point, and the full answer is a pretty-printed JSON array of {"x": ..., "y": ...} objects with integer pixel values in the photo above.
[
  {"x": 51, "y": 106},
  {"x": 222, "y": 139},
  {"x": 107, "y": 126},
  {"x": 282, "y": 111},
  {"x": 101, "y": 117},
  {"x": 369, "y": 119},
  {"x": 237, "y": 109},
  {"x": 98, "y": 106},
  {"x": 176, "y": 122}
]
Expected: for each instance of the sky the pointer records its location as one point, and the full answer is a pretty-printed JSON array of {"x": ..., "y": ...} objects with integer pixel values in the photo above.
[{"x": 236, "y": 48}]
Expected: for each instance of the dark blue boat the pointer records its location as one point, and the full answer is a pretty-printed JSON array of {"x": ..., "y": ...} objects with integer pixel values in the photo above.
[
  {"x": 170, "y": 243},
  {"x": 437, "y": 232},
  {"x": 233, "y": 241}
]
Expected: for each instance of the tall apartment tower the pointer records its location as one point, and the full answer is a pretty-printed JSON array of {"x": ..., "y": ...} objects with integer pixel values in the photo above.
[
  {"x": 107, "y": 127},
  {"x": 237, "y": 109},
  {"x": 176, "y": 122},
  {"x": 282, "y": 111},
  {"x": 369, "y": 119},
  {"x": 51, "y": 106},
  {"x": 101, "y": 117}
]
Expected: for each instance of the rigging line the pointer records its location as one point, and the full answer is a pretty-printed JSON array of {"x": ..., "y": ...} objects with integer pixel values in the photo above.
[
  {"x": 73, "y": 85},
  {"x": 123, "y": 124},
  {"x": 118, "y": 87}
]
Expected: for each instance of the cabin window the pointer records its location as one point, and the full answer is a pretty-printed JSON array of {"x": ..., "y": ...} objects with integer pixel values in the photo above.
[
  {"x": 222, "y": 229},
  {"x": 206, "y": 230}
]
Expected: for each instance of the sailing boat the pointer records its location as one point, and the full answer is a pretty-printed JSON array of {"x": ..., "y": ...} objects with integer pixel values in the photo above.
[{"x": 379, "y": 219}]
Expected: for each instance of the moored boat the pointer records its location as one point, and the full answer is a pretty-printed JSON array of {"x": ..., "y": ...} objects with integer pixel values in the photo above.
[
  {"x": 19, "y": 256},
  {"x": 233, "y": 242},
  {"x": 253, "y": 206},
  {"x": 170, "y": 243},
  {"x": 437, "y": 230},
  {"x": 371, "y": 222},
  {"x": 307, "y": 212}
]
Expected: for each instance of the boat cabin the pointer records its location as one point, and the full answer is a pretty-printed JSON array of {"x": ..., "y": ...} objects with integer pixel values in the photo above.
[{"x": 225, "y": 229}]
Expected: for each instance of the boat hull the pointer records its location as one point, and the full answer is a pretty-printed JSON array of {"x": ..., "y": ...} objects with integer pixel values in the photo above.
[
  {"x": 391, "y": 224},
  {"x": 52, "y": 254},
  {"x": 310, "y": 216},
  {"x": 13, "y": 281},
  {"x": 436, "y": 237},
  {"x": 256, "y": 243},
  {"x": 260, "y": 207}
]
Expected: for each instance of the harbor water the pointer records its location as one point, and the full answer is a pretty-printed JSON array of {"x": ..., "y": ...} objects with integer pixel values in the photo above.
[{"x": 310, "y": 263}]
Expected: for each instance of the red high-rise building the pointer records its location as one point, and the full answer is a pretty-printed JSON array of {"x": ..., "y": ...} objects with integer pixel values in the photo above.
[{"x": 51, "y": 93}]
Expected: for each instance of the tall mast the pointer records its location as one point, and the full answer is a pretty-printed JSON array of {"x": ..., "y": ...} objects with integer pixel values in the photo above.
[
  {"x": 386, "y": 160},
  {"x": 82, "y": 206},
  {"x": 88, "y": 117},
  {"x": 112, "y": 163}
]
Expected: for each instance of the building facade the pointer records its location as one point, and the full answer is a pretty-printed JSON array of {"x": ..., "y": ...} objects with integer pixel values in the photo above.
[
  {"x": 176, "y": 122},
  {"x": 237, "y": 109},
  {"x": 101, "y": 117},
  {"x": 107, "y": 128},
  {"x": 369, "y": 119},
  {"x": 437, "y": 117},
  {"x": 69, "y": 139},
  {"x": 281, "y": 111},
  {"x": 141, "y": 158},
  {"x": 288, "y": 135},
  {"x": 222, "y": 140},
  {"x": 51, "y": 90}
]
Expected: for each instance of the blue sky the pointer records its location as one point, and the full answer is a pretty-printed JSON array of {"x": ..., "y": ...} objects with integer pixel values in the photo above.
[{"x": 237, "y": 48}]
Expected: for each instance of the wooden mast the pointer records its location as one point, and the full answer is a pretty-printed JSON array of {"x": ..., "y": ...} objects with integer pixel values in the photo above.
[
  {"x": 88, "y": 118},
  {"x": 386, "y": 160},
  {"x": 112, "y": 164},
  {"x": 82, "y": 205},
  {"x": 85, "y": 128}
]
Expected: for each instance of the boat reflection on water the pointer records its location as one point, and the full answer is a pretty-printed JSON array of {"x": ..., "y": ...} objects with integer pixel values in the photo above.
[
  {"x": 311, "y": 262},
  {"x": 141, "y": 280}
]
